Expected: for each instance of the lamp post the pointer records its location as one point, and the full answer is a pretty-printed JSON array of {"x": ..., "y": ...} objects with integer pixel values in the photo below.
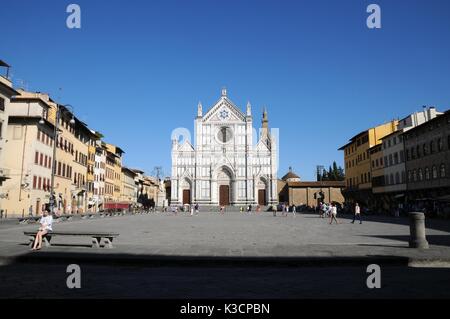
[{"x": 55, "y": 135}]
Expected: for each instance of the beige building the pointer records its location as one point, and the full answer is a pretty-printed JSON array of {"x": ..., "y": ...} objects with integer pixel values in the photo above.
[
  {"x": 29, "y": 147},
  {"x": 6, "y": 92},
  {"x": 295, "y": 192},
  {"x": 113, "y": 173},
  {"x": 129, "y": 188}
]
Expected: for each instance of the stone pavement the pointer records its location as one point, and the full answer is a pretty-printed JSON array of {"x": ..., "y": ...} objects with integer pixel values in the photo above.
[
  {"x": 236, "y": 235},
  {"x": 229, "y": 256}
]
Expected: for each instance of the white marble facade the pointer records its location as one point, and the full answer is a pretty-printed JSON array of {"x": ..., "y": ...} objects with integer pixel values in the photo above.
[{"x": 224, "y": 166}]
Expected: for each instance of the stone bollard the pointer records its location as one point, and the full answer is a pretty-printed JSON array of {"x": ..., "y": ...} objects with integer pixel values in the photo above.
[{"x": 417, "y": 230}]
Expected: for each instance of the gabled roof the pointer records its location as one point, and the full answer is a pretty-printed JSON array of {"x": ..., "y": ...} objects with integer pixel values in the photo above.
[
  {"x": 186, "y": 146},
  {"x": 224, "y": 100}
]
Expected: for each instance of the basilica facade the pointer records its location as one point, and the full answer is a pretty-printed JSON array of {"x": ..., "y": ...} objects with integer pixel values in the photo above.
[{"x": 228, "y": 163}]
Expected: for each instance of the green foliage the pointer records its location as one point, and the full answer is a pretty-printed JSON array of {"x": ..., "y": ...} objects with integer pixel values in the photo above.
[{"x": 334, "y": 173}]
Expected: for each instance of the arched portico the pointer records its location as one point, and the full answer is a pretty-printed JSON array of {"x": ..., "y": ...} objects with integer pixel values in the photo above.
[
  {"x": 262, "y": 190},
  {"x": 223, "y": 185},
  {"x": 185, "y": 190}
]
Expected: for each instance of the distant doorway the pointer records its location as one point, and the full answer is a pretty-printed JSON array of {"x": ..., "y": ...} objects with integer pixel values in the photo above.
[
  {"x": 262, "y": 197},
  {"x": 224, "y": 195},
  {"x": 186, "y": 196}
]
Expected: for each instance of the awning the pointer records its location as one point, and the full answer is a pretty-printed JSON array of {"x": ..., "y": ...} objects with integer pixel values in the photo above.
[{"x": 116, "y": 205}]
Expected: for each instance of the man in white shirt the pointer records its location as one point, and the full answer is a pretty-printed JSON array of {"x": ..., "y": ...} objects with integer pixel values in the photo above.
[
  {"x": 357, "y": 214},
  {"x": 46, "y": 222}
]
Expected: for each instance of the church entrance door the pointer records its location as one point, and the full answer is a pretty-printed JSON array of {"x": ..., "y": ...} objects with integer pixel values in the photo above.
[
  {"x": 262, "y": 197},
  {"x": 224, "y": 195},
  {"x": 186, "y": 196}
]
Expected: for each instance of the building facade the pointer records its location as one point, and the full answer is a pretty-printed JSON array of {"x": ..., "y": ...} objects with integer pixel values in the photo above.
[
  {"x": 293, "y": 191},
  {"x": 99, "y": 175},
  {"x": 224, "y": 166},
  {"x": 392, "y": 186},
  {"x": 6, "y": 92},
  {"x": 427, "y": 152},
  {"x": 129, "y": 188},
  {"x": 30, "y": 151},
  {"x": 358, "y": 164},
  {"x": 113, "y": 175}
]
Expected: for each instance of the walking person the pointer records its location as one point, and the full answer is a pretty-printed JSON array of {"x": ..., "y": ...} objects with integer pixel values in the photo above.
[
  {"x": 192, "y": 210},
  {"x": 333, "y": 213},
  {"x": 294, "y": 209},
  {"x": 196, "y": 209},
  {"x": 357, "y": 214},
  {"x": 46, "y": 222},
  {"x": 286, "y": 210},
  {"x": 323, "y": 209}
]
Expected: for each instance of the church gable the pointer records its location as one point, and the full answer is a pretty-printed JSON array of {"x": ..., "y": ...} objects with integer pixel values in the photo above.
[
  {"x": 186, "y": 147},
  {"x": 224, "y": 110},
  {"x": 264, "y": 144}
]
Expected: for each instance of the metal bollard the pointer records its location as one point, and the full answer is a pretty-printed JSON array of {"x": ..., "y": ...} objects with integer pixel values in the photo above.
[{"x": 417, "y": 230}]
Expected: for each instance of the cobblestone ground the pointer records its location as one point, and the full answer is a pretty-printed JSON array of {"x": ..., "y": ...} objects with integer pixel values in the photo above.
[
  {"x": 236, "y": 234},
  {"x": 232, "y": 235}
]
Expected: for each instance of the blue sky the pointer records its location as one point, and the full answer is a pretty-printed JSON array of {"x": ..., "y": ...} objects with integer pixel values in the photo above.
[{"x": 137, "y": 69}]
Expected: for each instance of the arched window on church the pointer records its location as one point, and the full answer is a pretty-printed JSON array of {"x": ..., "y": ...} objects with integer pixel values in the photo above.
[{"x": 434, "y": 172}]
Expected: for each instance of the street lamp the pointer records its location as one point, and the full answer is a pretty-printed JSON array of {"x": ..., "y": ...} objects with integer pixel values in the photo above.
[{"x": 56, "y": 134}]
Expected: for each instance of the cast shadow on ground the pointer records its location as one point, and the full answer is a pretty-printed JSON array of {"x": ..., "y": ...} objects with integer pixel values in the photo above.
[{"x": 436, "y": 240}]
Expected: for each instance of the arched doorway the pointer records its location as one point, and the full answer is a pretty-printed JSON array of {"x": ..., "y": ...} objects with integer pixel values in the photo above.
[
  {"x": 186, "y": 191},
  {"x": 224, "y": 182},
  {"x": 261, "y": 188}
]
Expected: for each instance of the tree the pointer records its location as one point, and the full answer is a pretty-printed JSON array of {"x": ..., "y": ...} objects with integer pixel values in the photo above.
[{"x": 334, "y": 173}]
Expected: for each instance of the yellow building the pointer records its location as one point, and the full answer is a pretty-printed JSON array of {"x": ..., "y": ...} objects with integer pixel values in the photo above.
[
  {"x": 71, "y": 161},
  {"x": 30, "y": 150},
  {"x": 113, "y": 174},
  {"x": 358, "y": 167},
  {"x": 6, "y": 92},
  {"x": 92, "y": 149},
  {"x": 129, "y": 187}
]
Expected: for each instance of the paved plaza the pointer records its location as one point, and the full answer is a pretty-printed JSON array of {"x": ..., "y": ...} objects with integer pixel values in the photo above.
[{"x": 159, "y": 255}]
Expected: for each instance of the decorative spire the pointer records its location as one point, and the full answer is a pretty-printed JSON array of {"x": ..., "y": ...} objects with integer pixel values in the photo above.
[
  {"x": 199, "y": 109},
  {"x": 265, "y": 121},
  {"x": 224, "y": 91},
  {"x": 249, "y": 109}
]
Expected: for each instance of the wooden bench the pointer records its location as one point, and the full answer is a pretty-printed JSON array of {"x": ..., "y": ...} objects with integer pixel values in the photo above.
[{"x": 96, "y": 237}]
